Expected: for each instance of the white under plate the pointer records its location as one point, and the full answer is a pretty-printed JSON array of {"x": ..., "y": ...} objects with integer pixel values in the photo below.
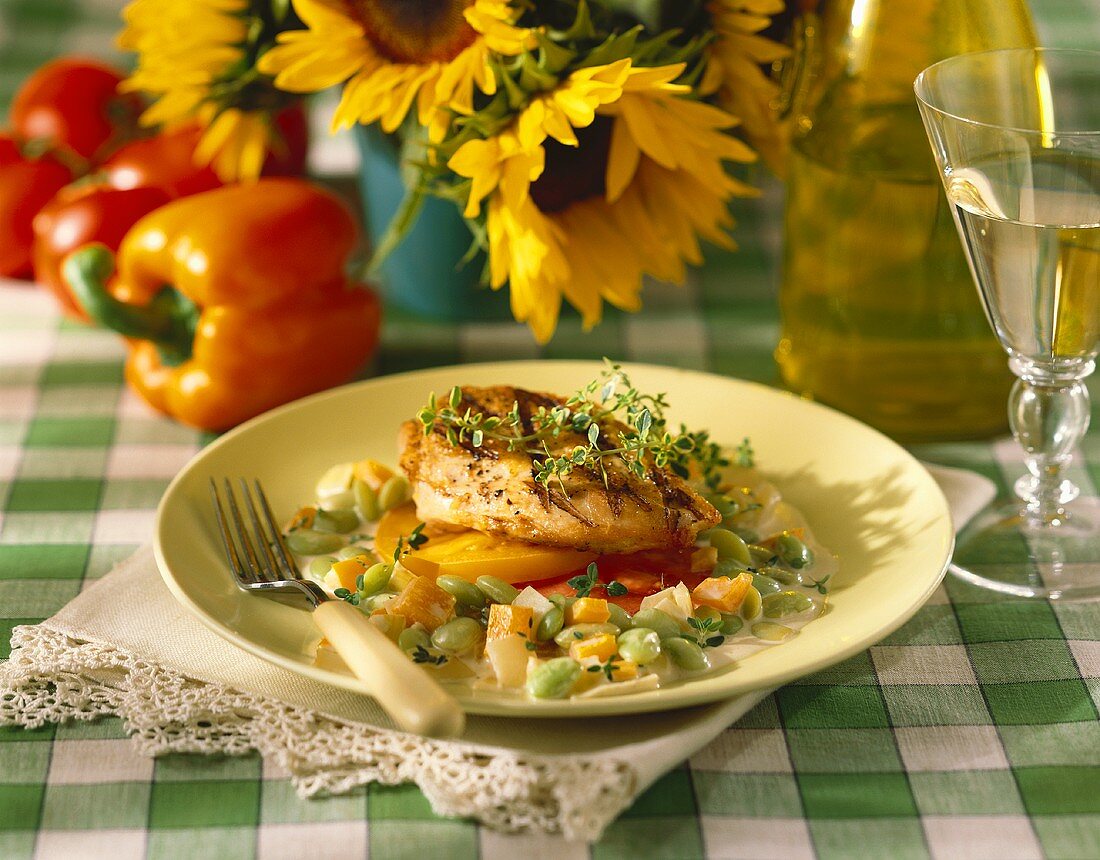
[{"x": 865, "y": 498}]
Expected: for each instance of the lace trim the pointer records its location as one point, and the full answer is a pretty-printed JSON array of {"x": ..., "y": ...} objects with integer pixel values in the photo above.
[{"x": 52, "y": 678}]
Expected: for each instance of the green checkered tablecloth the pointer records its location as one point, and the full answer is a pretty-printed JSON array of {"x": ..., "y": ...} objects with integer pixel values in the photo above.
[{"x": 970, "y": 732}]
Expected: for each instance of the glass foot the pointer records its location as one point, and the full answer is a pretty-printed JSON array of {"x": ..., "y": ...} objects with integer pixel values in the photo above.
[{"x": 1005, "y": 551}]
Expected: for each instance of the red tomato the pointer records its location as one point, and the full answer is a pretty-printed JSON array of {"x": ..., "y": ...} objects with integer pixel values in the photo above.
[
  {"x": 26, "y": 185},
  {"x": 78, "y": 216},
  {"x": 643, "y": 573},
  {"x": 164, "y": 161},
  {"x": 72, "y": 103}
]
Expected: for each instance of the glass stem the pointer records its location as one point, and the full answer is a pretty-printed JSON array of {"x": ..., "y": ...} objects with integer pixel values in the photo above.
[{"x": 1049, "y": 414}]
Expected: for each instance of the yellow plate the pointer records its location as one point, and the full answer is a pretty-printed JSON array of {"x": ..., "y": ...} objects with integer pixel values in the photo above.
[{"x": 864, "y": 496}]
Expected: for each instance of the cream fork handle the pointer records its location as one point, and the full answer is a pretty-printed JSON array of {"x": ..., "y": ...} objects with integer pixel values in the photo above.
[{"x": 413, "y": 700}]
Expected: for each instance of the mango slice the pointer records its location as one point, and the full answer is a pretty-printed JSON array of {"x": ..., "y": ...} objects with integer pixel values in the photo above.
[{"x": 471, "y": 554}]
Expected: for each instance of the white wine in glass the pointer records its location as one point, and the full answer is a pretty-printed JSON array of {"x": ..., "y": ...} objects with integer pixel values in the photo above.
[{"x": 1017, "y": 139}]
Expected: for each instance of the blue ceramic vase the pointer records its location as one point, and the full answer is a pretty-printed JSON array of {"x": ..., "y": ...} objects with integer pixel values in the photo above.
[{"x": 424, "y": 274}]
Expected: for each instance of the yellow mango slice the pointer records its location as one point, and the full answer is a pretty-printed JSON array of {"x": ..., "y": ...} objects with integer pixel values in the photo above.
[{"x": 471, "y": 554}]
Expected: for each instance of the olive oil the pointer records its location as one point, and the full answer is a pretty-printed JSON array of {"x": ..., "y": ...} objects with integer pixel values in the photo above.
[{"x": 880, "y": 315}]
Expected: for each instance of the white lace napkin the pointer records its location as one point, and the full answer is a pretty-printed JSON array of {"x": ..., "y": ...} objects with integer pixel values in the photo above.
[{"x": 126, "y": 647}]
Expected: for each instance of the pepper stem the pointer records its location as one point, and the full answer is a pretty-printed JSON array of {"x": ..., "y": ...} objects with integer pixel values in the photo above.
[{"x": 168, "y": 320}]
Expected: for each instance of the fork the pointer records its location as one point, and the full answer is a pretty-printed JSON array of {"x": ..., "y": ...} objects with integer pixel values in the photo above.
[{"x": 261, "y": 564}]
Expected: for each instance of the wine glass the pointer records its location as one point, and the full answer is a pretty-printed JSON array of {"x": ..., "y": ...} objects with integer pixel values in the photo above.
[{"x": 1016, "y": 137}]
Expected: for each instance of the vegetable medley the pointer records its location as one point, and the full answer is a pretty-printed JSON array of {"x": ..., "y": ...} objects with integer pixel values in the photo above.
[{"x": 493, "y": 613}]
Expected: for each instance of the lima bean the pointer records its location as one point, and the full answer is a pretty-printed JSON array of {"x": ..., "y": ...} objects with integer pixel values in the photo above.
[
  {"x": 338, "y": 522},
  {"x": 554, "y": 678},
  {"x": 640, "y": 645},
  {"x": 780, "y": 575},
  {"x": 352, "y": 551},
  {"x": 619, "y": 616},
  {"x": 794, "y": 551},
  {"x": 750, "y": 606},
  {"x": 366, "y": 499},
  {"x": 728, "y": 567},
  {"x": 394, "y": 492},
  {"x": 497, "y": 590},
  {"x": 786, "y": 603},
  {"x": 765, "y": 584},
  {"x": 462, "y": 590},
  {"x": 375, "y": 578},
  {"x": 769, "y": 631},
  {"x": 412, "y": 638},
  {"x": 665, "y": 625},
  {"x": 550, "y": 625},
  {"x": 321, "y": 565},
  {"x": 311, "y": 542},
  {"x": 731, "y": 624},
  {"x": 730, "y": 545},
  {"x": 685, "y": 654},
  {"x": 457, "y": 635}
]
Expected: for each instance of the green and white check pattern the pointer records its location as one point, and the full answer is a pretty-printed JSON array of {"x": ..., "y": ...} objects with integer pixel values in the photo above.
[{"x": 970, "y": 732}]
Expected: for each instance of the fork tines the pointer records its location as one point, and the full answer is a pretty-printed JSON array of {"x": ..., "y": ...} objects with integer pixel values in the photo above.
[{"x": 255, "y": 554}]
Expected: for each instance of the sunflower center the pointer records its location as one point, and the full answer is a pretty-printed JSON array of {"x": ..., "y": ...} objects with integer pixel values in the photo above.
[
  {"x": 413, "y": 31},
  {"x": 574, "y": 173}
]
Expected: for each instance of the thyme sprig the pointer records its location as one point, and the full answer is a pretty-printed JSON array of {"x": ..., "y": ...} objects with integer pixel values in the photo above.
[
  {"x": 708, "y": 631},
  {"x": 407, "y": 543},
  {"x": 584, "y": 583},
  {"x": 647, "y": 440}
]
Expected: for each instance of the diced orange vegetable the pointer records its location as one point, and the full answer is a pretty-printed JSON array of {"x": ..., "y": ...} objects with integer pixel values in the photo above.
[
  {"x": 506, "y": 620},
  {"x": 722, "y": 593},
  {"x": 372, "y": 473},
  {"x": 471, "y": 554},
  {"x": 589, "y": 610},
  {"x": 347, "y": 571},
  {"x": 602, "y": 647},
  {"x": 624, "y": 670},
  {"x": 424, "y": 601},
  {"x": 303, "y": 519}
]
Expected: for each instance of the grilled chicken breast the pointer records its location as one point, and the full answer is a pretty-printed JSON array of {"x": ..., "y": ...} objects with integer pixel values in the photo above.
[{"x": 493, "y": 490}]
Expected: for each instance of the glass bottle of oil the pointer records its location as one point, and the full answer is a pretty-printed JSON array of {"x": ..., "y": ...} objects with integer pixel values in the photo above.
[{"x": 880, "y": 316}]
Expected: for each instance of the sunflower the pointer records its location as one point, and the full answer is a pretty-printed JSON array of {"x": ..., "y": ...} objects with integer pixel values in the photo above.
[
  {"x": 393, "y": 54},
  {"x": 185, "y": 52},
  {"x": 614, "y": 174},
  {"x": 734, "y": 69}
]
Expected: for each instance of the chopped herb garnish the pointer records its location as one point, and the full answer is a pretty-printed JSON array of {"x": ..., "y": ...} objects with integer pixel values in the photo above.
[
  {"x": 646, "y": 442},
  {"x": 819, "y": 584},
  {"x": 584, "y": 583},
  {"x": 345, "y": 594},
  {"x": 422, "y": 655},
  {"x": 407, "y": 543},
  {"x": 530, "y": 646},
  {"x": 707, "y": 632}
]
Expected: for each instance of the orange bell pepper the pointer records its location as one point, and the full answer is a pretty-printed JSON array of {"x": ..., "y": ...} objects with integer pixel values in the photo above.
[{"x": 234, "y": 300}]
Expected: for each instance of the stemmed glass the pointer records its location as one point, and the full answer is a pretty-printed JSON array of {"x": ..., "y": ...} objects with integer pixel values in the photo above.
[{"x": 1016, "y": 136}]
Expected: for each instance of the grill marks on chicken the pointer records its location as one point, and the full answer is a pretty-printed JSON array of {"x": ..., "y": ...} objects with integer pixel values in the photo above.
[{"x": 493, "y": 490}]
